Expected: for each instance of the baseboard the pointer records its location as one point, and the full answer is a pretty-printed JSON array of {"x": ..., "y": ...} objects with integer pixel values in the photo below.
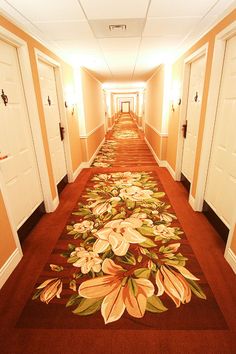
[
  {"x": 171, "y": 171},
  {"x": 87, "y": 164},
  {"x": 160, "y": 163},
  {"x": 75, "y": 174},
  {"x": 9, "y": 266},
  {"x": 191, "y": 201},
  {"x": 231, "y": 259},
  {"x": 55, "y": 203}
]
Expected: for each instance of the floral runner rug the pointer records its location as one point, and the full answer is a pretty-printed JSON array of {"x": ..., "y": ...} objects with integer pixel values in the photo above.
[
  {"x": 122, "y": 262},
  {"x": 124, "y": 146}
]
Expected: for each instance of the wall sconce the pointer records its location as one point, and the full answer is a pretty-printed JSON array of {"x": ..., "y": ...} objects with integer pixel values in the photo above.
[
  {"x": 176, "y": 100},
  {"x": 174, "y": 104},
  {"x": 70, "y": 101}
]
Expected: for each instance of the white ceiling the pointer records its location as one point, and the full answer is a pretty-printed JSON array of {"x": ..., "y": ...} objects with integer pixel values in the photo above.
[{"x": 78, "y": 30}]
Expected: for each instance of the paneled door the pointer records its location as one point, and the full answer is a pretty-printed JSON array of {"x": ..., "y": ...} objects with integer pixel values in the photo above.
[
  {"x": 194, "y": 101},
  {"x": 53, "y": 120},
  {"x": 18, "y": 164},
  {"x": 125, "y": 107},
  {"x": 220, "y": 191}
]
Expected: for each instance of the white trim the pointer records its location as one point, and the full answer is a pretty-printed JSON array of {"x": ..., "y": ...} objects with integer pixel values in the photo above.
[
  {"x": 62, "y": 111},
  {"x": 191, "y": 201},
  {"x": 183, "y": 108},
  {"x": 75, "y": 174},
  {"x": 211, "y": 110},
  {"x": 161, "y": 163},
  {"x": 231, "y": 258},
  {"x": 170, "y": 170},
  {"x": 9, "y": 266},
  {"x": 91, "y": 132},
  {"x": 156, "y": 131},
  {"x": 32, "y": 108},
  {"x": 96, "y": 152},
  {"x": 55, "y": 203}
]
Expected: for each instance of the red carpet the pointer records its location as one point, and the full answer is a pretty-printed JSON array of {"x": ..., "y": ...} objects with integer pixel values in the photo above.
[
  {"x": 197, "y": 326},
  {"x": 125, "y": 238},
  {"x": 124, "y": 146}
]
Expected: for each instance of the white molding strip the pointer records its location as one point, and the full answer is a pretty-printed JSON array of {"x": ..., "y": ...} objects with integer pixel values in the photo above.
[
  {"x": 164, "y": 135},
  {"x": 170, "y": 170},
  {"x": 192, "y": 202},
  {"x": 231, "y": 259},
  {"x": 9, "y": 266},
  {"x": 77, "y": 172},
  {"x": 54, "y": 204},
  {"x": 72, "y": 177},
  {"x": 161, "y": 163},
  {"x": 88, "y": 163},
  {"x": 85, "y": 136}
]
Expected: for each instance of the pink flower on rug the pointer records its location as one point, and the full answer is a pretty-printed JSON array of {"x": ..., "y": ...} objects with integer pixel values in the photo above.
[
  {"x": 118, "y": 292},
  {"x": 174, "y": 284},
  {"x": 99, "y": 208},
  {"x": 118, "y": 234},
  {"x": 51, "y": 288}
]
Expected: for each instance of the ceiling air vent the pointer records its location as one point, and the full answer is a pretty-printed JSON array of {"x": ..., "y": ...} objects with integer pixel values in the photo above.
[{"x": 117, "y": 28}]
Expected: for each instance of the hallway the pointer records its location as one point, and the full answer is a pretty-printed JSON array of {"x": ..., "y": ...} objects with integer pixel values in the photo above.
[
  {"x": 117, "y": 176},
  {"x": 201, "y": 326}
]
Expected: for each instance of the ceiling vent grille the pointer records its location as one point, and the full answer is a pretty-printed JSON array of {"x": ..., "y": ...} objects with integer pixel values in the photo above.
[{"x": 117, "y": 28}]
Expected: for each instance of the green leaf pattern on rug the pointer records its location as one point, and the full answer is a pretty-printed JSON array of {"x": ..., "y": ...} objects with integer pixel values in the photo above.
[{"x": 125, "y": 251}]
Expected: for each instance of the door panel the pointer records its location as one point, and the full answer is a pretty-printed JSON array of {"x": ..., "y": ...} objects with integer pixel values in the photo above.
[
  {"x": 196, "y": 81},
  {"x": 125, "y": 107},
  {"x": 19, "y": 169},
  {"x": 52, "y": 116},
  {"x": 220, "y": 191}
]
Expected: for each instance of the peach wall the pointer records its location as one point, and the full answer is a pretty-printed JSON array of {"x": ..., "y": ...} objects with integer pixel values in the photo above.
[
  {"x": 94, "y": 140},
  {"x": 7, "y": 241},
  {"x": 91, "y": 143},
  {"x": 154, "y": 140},
  {"x": 177, "y": 74},
  {"x": 178, "y": 67},
  {"x": 154, "y": 99},
  {"x": 94, "y": 107}
]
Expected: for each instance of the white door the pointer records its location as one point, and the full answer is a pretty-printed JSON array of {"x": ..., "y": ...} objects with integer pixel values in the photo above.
[
  {"x": 19, "y": 169},
  {"x": 220, "y": 191},
  {"x": 52, "y": 117},
  {"x": 125, "y": 107},
  {"x": 196, "y": 81}
]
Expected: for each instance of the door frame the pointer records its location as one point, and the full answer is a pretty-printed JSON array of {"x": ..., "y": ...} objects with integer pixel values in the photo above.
[
  {"x": 184, "y": 106},
  {"x": 122, "y": 106},
  {"x": 61, "y": 106},
  {"x": 210, "y": 118}
]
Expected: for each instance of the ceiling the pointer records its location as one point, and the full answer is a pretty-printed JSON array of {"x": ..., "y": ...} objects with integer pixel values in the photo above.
[{"x": 144, "y": 33}]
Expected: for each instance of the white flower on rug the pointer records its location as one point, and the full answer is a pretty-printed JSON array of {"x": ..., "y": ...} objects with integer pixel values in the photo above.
[
  {"x": 165, "y": 232},
  {"x": 83, "y": 226},
  {"x": 126, "y": 179},
  {"x": 86, "y": 260},
  {"x": 135, "y": 193},
  {"x": 101, "y": 164},
  {"x": 118, "y": 234},
  {"x": 99, "y": 208}
]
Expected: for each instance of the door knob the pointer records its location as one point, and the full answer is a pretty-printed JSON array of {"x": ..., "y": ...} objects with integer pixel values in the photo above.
[{"x": 49, "y": 101}]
